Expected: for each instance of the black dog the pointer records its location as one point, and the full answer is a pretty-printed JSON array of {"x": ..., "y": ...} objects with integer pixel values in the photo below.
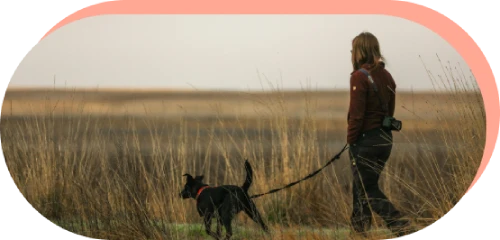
[{"x": 222, "y": 203}]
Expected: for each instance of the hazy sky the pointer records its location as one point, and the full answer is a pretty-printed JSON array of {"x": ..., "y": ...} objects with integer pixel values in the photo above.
[{"x": 226, "y": 51}]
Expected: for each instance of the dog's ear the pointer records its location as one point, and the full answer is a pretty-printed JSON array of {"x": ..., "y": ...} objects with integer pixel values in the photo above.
[
  {"x": 199, "y": 178},
  {"x": 188, "y": 177}
]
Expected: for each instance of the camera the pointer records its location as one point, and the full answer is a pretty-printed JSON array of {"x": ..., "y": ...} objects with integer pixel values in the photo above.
[{"x": 392, "y": 124}]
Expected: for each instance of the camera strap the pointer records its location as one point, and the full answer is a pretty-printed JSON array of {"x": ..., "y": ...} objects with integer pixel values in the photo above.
[{"x": 384, "y": 106}]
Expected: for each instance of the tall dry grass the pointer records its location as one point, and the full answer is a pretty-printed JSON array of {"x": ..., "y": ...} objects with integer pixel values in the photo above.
[{"x": 120, "y": 177}]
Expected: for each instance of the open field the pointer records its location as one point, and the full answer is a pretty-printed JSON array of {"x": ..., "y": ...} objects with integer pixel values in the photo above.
[{"x": 109, "y": 163}]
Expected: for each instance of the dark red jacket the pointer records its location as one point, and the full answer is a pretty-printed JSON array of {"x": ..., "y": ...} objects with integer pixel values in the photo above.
[{"x": 365, "y": 111}]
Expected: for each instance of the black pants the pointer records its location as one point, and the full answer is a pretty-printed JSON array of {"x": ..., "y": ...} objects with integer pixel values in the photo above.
[{"x": 368, "y": 157}]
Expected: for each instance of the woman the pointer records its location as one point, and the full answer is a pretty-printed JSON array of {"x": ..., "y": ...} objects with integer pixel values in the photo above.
[{"x": 370, "y": 144}]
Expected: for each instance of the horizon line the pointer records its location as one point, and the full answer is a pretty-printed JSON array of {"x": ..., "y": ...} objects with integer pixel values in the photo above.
[{"x": 153, "y": 89}]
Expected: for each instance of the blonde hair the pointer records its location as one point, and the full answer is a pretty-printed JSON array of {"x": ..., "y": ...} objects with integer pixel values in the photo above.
[{"x": 366, "y": 50}]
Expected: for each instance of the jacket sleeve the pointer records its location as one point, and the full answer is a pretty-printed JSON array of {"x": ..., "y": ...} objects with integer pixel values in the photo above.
[
  {"x": 357, "y": 105},
  {"x": 392, "y": 94}
]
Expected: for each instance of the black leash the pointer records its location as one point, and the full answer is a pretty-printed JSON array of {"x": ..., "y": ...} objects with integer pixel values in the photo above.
[{"x": 307, "y": 177}]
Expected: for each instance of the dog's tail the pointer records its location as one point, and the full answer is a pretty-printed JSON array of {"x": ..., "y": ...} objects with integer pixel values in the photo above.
[{"x": 248, "y": 180}]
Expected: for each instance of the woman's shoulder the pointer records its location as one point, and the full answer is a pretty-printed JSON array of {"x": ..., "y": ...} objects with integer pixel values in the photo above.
[{"x": 358, "y": 73}]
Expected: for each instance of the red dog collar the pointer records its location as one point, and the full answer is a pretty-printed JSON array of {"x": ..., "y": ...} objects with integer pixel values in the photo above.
[{"x": 200, "y": 190}]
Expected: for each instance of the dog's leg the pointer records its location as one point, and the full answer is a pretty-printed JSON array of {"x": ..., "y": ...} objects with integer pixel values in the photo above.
[
  {"x": 208, "y": 225},
  {"x": 227, "y": 224},
  {"x": 219, "y": 223},
  {"x": 253, "y": 213},
  {"x": 219, "y": 228},
  {"x": 227, "y": 212}
]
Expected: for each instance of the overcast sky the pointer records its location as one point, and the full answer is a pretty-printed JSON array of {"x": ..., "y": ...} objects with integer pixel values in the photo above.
[{"x": 227, "y": 51}]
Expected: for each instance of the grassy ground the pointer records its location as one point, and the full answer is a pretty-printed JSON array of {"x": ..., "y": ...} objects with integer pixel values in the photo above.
[
  {"x": 197, "y": 231},
  {"x": 110, "y": 164}
]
